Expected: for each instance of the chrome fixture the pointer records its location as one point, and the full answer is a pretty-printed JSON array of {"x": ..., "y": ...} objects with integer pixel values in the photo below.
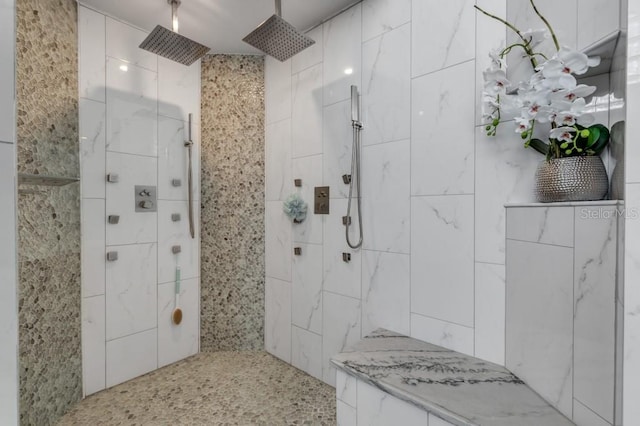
[
  {"x": 355, "y": 167},
  {"x": 189, "y": 144},
  {"x": 170, "y": 44},
  {"x": 146, "y": 199},
  {"x": 321, "y": 200},
  {"x": 112, "y": 256},
  {"x": 278, "y": 38}
]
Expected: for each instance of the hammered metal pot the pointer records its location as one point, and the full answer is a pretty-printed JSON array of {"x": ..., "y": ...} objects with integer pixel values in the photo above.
[{"x": 571, "y": 179}]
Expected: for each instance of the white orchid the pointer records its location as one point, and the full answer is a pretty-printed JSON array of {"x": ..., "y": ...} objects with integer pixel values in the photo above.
[
  {"x": 562, "y": 134},
  {"x": 495, "y": 81}
]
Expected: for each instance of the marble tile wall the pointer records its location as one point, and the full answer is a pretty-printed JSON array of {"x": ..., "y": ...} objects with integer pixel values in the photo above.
[
  {"x": 233, "y": 206},
  {"x": 134, "y": 109},
  {"x": 434, "y": 185}
]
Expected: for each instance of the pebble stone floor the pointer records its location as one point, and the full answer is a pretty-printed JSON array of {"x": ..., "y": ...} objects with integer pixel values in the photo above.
[{"x": 217, "y": 388}]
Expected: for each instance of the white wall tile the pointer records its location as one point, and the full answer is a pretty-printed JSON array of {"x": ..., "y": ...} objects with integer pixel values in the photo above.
[
  {"x": 133, "y": 227},
  {"x": 131, "y": 290},
  {"x": 132, "y": 108},
  {"x": 386, "y": 86},
  {"x": 278, "y": 251},
  {"x": 277, "y": 90},
  {"x": 442, "y": 258},
  {"x": 309, "y": 169},
  {"x": 7, "y": 71},
  {"x": 306, "y": 352},
  {"x": 277, "y": 320},
  {"x": 340, "y": 328},
  {"x": 386, "y": 292},
  {"x": 342, "y": 54},
  {"x": 306, "y": 113},
  {"x": 176, "y": 342},
  {"x": 339, "y": 276},
  {"x": 346, "y": 388},
  {"x": 131, "y": 356},
  {"x": 583, "y": 416},
  {"x": 311, "y": 55},
  {"x": 490, "y": 312},
  {"x": 345, "y": 414},
  {"x": 337, "y": 145},
  {"x": 539, "y": 321},
  {"x": 381, "y": 16},
  {"x": 442, "y": 39},
  {"x": 93, "y": 243},
  {"x": 442, "y": 132},
  {"x": 91, "y": 54},
  {"x": 376, "y": 407},
  {"x": 172, "y": 233},
  {"x": 178, "y": 90},
  {"x": 173, "y": 159},
  {"x": 93, "y": 344},
  {"x": 306, "y": 310},
  {"x": 123, "y": 41},
  {"x": 92, "y": 122},
  {"x": 547, "y": 225},
  {"x": 386, "y": 198},
  {"x": 442, "y": 333},
  {"x": 278, "y": 180}
]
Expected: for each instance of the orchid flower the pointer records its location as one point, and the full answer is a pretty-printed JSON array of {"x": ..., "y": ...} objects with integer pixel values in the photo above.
[{"x": 562, "y": 134}]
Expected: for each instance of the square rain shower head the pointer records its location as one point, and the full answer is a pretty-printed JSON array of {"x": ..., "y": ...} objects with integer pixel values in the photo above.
[
  {"x": 278, "y": 38},
  {"x": 174, "y": 46}
]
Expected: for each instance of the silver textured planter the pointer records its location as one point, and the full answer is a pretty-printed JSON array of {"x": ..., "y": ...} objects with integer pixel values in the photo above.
[{"x": 571, "y": 179}]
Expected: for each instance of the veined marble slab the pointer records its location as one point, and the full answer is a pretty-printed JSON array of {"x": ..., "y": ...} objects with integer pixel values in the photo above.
[{"x": 461, "y": 389}]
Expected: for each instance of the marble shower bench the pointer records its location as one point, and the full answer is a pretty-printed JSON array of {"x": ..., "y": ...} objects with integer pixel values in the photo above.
[{"x": 391, "y": 379}]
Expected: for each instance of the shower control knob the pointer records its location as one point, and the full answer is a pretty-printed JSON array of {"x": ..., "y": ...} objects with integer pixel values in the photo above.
[
  {"x": 145, "y": 205},
  {"x": 145, "y": 193}
]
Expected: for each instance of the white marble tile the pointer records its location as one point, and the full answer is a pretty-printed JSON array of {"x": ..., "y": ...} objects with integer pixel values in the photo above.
[
  {"x": 381, "y": 16},
  {"x": 345, "y": 414},
  {"x": 306, "y": 310},
  {"x": 133, "y": 227},
  {"x": 346, "y": 388},
  {"x": 605, "y": 13},
  {"x": 7, "y": 74},
  {"x": 337, "y": 145},
  {"x": 442, "y": 333},
  {"x": 539, "y": 321},
  {"x": 278, "y": 180},
  {"x": 93, "y": 345},
  {"x": 93, "y": 243},
  {"x": 123, "y": 41},
  {"x": 386, "y": 86},
  {"x": 172, "y": 233},
  {"x": 547, "y": 225},
  {"x": 442, "y": 265},
  {"x": 277, "y": 318},
  {"x": 92, "y": 123},
  {"x": 131, "y": 356},
  {"x": 132, "y": 108},
  {"x": 278, "y": 250},
  {"x": 178, "y": 90},
  {"x": 173, "y": 159},
  {"x": 489, "y": 312},
  {"x": 309, "y": 170},
  {"x": 311, "y": 55},
  {"x": 176, "y": 342},
  {"x": 131, "y": 290},
  {"x": 277, "y": 90},
  {"x": 341, "y": 328},
  {"x": 306, "y": 352},
  {"x": 594, "y": 314},
  {"x": 339, "y": 276},
  {"x": 376, "y": 407},
  {"x": 386, "y": 197},
  {"x": 91, "y": 54},
  {"x": 342, "y": 54},
  {"x": 442, "y": 39},
  {"x": 386, "y": 292},
  {"x": 306, "y": 113},
  {"x": 631, "y": 151},
  {"x": 442, "y": 132},
  {"x": 504, "y": 173},
  {"x": 583, "y": 416}
]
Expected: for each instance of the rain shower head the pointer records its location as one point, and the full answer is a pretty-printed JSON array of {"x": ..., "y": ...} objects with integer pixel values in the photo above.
[
  {"x": 170, "y": 44},
  {"x": 278, "y": 38}
]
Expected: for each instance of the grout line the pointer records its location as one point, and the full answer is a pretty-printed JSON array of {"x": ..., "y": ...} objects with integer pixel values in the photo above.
[
  {"x": 539, "y": 243},
  {"x": 440, "y": 319}
]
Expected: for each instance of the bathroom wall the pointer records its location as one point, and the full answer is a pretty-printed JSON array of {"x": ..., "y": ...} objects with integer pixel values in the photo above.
[
  {"x": 134, "y": 109},
  {"x": 8, "y": 271},
  {"x": 48, "y": 216},
  {"x": 232, "y": 301},
  {"x": 434, "y": 185}
]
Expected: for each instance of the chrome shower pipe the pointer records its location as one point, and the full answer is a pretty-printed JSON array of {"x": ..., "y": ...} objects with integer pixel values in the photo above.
[
  {"x": 189, "y": 144},
  {"x": 356, "y": 125}
]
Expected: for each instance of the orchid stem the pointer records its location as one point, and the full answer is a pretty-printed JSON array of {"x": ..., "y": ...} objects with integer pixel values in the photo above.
[{"x": 553, "y": 34}]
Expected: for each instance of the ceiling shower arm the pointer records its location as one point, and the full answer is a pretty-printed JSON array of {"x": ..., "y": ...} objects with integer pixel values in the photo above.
[
  {"x": 174, "y": 14},
  {"x": 279, "y": 8}
]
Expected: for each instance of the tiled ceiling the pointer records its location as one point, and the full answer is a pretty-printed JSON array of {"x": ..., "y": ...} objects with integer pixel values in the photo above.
[{"x": 219, "y": 24}]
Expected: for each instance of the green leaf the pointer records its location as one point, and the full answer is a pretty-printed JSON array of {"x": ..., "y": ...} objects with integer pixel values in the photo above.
[
  {"x": 539, "y": 146},
  {"x": 603, "y": 138},
  {"x": 594, "y": 134}
]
